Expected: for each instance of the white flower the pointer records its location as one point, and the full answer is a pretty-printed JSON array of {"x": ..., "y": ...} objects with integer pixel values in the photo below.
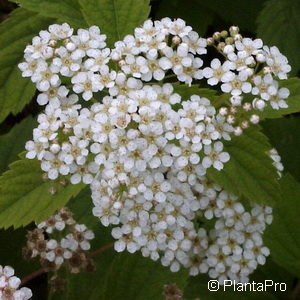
[
  {"x": 218, "y": 73},
  {"x": 85, "y": 83},
  {"x": 9, "y": 285},
  {"x": 214, "y": 156},
  {"x": 237, "y": 85},
  {"x": 65, "y": 64},
  {"x": 277, "y": 63},
  {"x": 196, "y": 44},
  {"x": 53, "y": 96},
  {"x": 98, "y": 59},
  {"x": 175, "y": 60}
]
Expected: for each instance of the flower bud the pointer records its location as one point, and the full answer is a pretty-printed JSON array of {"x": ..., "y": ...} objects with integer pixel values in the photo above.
[{"x": 254, "y": 119}]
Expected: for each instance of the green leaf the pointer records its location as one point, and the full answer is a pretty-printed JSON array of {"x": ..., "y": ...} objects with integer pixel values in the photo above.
[
  {"x": 139, "y": 278},
  {"x": 12, "y": 241},
  {"x": 119, "y": 276},
  {"x": 25, "y": 195},
  {"x": 249, "y": 171},
  {"x": 15, "y": 33},
  {"x": 187, "y": 91},
  {"x": 283, "y": 236},
  {"x": 63, "y": 10},
  {"x": 12, "y": 143},
  {"x": 293, "y": 84},
  {"x": 279, "y": 25},
  {"x": 116, "y": 18},
  {"x": 284, "y": 134},
  {"x": 238, "y": 12},
  {"x": 192, "y": 11},
  {"x": 272, "y": 271}
]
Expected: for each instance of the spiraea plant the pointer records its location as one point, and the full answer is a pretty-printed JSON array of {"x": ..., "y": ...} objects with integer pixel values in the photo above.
[{"x": 149, "y": 138}]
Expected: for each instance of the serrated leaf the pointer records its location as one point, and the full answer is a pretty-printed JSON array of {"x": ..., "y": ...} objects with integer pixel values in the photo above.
[
  {"x": 15, "y": 33},
  {"x": 279, "y": 25},
  {"x": 237, "y": 12},
  {"x": 116, "y": 18},
  {"x": 138, "y": 278},
  {"x": 293, "y": 101},
  {"x": 25, "y": 197},
  {"x": 187, "y": 91},
  {"x": 63, "y": 10},
  {"x": 12, "y": 143},
  {"x": 284, "y": 134},
  {"x": 249, "y": 171},
  {"x": 283, "y": 235},
  {"x": 12, "y": 241}
]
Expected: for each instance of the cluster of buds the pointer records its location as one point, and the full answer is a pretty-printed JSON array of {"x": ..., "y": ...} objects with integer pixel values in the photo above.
[
  {"x": 71, "y": 249},
  {"x": 249, "y": 75}
]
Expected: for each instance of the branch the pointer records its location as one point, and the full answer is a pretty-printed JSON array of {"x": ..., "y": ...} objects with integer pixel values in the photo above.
[
  {"x": 33, "y": 275},
  {"x": 43, "y": 270}
]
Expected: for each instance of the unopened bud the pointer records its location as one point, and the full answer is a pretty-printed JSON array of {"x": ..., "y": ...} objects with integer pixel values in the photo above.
[
  {"x": 223, "y": 111},
  {"x": 229, "y": 41},
  {"x": 237, "y": 37},
  {"x": 52, "y": 43},
  {"x": 210, "y": 41},
  {"x": 221, "y": 46},
  {"x": 45, "y": 177},
  {"x": 254, "y": 119},
  {"x": 224, "y": 34},
  {"x": 216, "y": 36},
  {"x": 236, "y": 100},
  {"x": 52, "y": 190},
  {"x": 63, "y": 182},
  {"x": 245, "y": 124},
  {"x": 234, "y": 30},
  {"x": 122, "y": 63},
  {"x": 176, "y": 40},
  {"x": 238, "y": 131},
  {"x": 259, "y": 104},
  {"x": 260, "y": 57},
  {"x": 54, "y": 148}
]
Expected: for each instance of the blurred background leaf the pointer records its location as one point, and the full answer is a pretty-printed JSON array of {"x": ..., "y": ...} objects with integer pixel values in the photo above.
[{"x": 279, "y": 25}]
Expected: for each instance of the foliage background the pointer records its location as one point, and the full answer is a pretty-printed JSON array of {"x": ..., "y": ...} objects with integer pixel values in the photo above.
[{"x": 125, "y": 276}]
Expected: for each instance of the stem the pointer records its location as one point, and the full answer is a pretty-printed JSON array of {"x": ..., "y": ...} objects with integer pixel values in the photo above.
[
  {"x": 33, "y": 275},
  {"x": 43, "y": 270},
  {"x": 101, "y": 250}
]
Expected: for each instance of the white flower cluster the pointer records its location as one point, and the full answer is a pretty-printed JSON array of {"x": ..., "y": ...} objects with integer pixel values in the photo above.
[
  {"x": 249, "y": 68},
  {"x": 149, "y": 54},
  {"x": 9, "y": 286},
  {"x": 159, "y": 216},
  {"x": 143, "y": 148},
  {"x": 52, "y": 252},
  {"x": 57, "y": 54}
]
